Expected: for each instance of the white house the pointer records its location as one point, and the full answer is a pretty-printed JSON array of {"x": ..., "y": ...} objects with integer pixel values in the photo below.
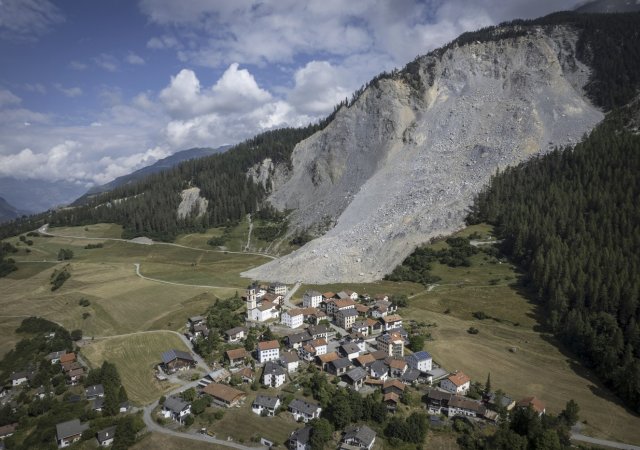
[
  {"x": 273, "y": 375},
  {"x": 313, "y": 348},
  {"x": 290, "y": 361},
  {"x": 420, "y": 360},
  {"x": 392, "y": 322},
  {"x": 334, "y": 305},
  {"x": 300, "y": 439},
  {"x": 305, "y": 411},
  {"x": 457, "y": 383},
  {"x": 105, "y": 437},
  {"x": 346, "y": 318},
  {"x": 462, "y": 406},
  {"x": 265, "y": 405},
  {"x": 235, "y": 334},
  {"x": 278, "y": 288},
  {"x": 268, "y": 351},
  {"x": 264, "y": 311},
  {"x": 69, "y": 432},
  {"x": 352, "y": 295},
  {"x": 311, "y": 299},
  {"x": 360, "y": 436},
  {"x": 293, "y": 318},
  {"x": 18, "y": 378},
  {"x": 175, "y": 408}
]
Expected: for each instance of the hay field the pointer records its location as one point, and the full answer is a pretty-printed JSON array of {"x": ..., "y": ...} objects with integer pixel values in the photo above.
[{"x": 135, "y": 356}]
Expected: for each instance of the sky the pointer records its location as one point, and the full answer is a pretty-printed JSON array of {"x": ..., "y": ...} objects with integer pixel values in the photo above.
[{"x": 93, "y": 89}]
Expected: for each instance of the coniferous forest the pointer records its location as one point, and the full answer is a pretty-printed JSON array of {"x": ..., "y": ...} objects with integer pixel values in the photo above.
[{"x": 571, "y": 219}]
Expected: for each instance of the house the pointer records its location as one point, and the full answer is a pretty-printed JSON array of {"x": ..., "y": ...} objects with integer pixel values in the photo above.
[
  {"x": 363, "y": 310},
  {"x": 350, "y": 350},
  {"x": 97, "y": 390},
  {"x": 320, "y": 331},
  {"x": 200, "y": 331},
  {"x": 69, "y": 366},
  {"x": 124, "y": 407},
  {"x": 355, "y": 378},
  {"x": 391, "y": 400},
  {"x": 265, "y": 405},
  {"x": 297, "y": 340},
  {"x": 355, "y": 338},
  {"x": 224, "y": 395},
  {"x": 219, "y": 376},
  {"x": 346, "y": 318},
  {"x": 293, "y": 318},
  {"x": 437, "y": 401},
  {"x": 268, "y": 351},
  {"x": 352, "y": 295},
  {"x": 263, "y": 311},
  {"x": 54, "y": 357},
  {"x": 276, "y": 299},
  {"x": 328, "y": 296},
  {"x": 290, "y": 361},
  {"x": 236, "y": 334},
  {"x": 391, "y": 343},
  {"x": 397, "y": 366},
  {"x": 375, "y": 326},
  {"x": 236, "y": 356},
  {"x": 339, "y": 366},
  {"x": 532, "y": 402},
  {"x": 358, "y": 437},
  {"x": 411, "y": 376},
  {"x": 463, "y": 406},
  {"x": 247, "y": 374},
  {"x": 324, "y": 360},
  {"x": 365, "y": 360},
  {"x": 380, "y": 355},
  {"x": 19, "y": 378},
  {"x": 379, "y": 370},
  {"x": 195, "y": 321},
  {"x": 278, "y": 288},
  {"x": 360, "y": 326},
  {"x": 421, "y": 361},
  {"x": 69, "y": 432},
  {"x": 105, "y": 437},
  {"x": 316, "y": 347},
  {"x": 335, "y": 305},
  {"x": 457, "y": 383},
  {"x": 273, "y": 375},
  {"x": 393, "y": 386},
  {"x": 300, "y": 439},
  {"x": 391, "y": 322},
  {"x": 311, "y": 299},
  {"x": 314, "y": 315},
  {"x": 173, "y": 360},
  {"x": 175, "y": 408},
  {"x": 504, "y": 401},
  {"x": 67, "y": 358},
  {"x": 303, "y": 410},
  {"x": 75, "y": 375}
]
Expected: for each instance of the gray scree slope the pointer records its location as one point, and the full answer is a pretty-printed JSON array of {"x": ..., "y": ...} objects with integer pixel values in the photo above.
[{"x": 402, "y": 164}]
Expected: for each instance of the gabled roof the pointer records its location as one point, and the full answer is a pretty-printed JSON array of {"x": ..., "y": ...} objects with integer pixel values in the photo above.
[
  {"x": 234, "y": 331},
  {"x": 391, "y": 397},
  {"x": 342, "y": 295},
  {"x": 175, "y": 404},
  {"x": 340, "y": 363},
  {"x": 303, "y": 406},
  {"x": 318, "y": 342},
  {"x": 299, "y": 337},
  {"x": 356, "y": 374},
  {"x": 67, "y": 357},
  {"x": 266, "y": 305},
  {"x": 396, "y": 363},
  {"x": 343, "y": 303},
  {"x": 362, "y": 308},
  {"x": 328, "y": 357},
  {"x": 173, "y": 354},
  {"x": 96, "y": 389},
  {"x": 268, "y": 345},
  {"x": 329, "y": 295},
  {"x": 266, "y": 401},
  {"x": 351, "y": 312},
  {"x": 391, "y": 318},
  {"x": 379, "y": 368},
  {"x": 237, "y": 353},
  {"x": 349, "y": 348},
  {"x": 360, "y": 433},
  {"x": 410, "y": 375},
  {"x": 420, "y": 356},
  {"x": 365, "y": 359},
  {"x": 196, "y": 319},
  {"x": 289, "y": 357},
  {"x": 459, "y": 378},
  {"x": 312, "y": 293},
  {"x": 223, "y": 392},
  {"x": 70, "y": 428},
  {"x": 293, "y": 312},
  {"x": 272, "y": 368},
  {"x": 55, "y": 355},
  {"x": 107, "y": 433},
  {"x": 318, "y": 329},
  {"x": 379, "y": 354},
  {"x": 393, "y": 384},
  {"x": 458, "y": 401},
  {"x": 301, "y": 435},
  {"x": 435, "y": 394},
  {"x": 534, "y": 402}
]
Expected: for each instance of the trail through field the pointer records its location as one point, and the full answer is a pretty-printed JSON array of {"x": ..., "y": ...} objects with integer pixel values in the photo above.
[
  {"x": 246, "y": 247},
  {"x": 43, "y": 230},
  {"x": 173, "y": 283}
]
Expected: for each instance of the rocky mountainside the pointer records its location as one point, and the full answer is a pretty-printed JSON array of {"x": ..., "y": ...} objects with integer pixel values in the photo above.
[
  {"x": 8, "y": 212},
  {"x": 403, "y": 162}
]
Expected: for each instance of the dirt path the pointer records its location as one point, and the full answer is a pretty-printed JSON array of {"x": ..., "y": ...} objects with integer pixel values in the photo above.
[
  {"x": 603, "y": 442},
  {"x": 246, "y": 247},
  {"x": 155, "y": 280}
]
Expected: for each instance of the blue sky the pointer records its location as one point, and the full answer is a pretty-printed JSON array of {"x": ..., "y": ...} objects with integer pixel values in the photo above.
[{"x": 91, "y": 90}]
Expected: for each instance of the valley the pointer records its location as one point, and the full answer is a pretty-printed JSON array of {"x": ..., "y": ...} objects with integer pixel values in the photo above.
[{"x": 522, "y": 357}]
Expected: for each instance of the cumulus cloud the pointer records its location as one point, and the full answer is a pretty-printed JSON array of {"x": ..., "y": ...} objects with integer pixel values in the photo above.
[
  {"x": 107, "y": 62},
  {"x": 77, "y": 65},
  {"x": 27, "y": 19},
  {"x": 68, "y": 91},
  {"x": 8, "y": 98},
  {"x": 35, "y": 87},
  {"x": 319, "y": 86},
  {"x": 135, "y": 59}
]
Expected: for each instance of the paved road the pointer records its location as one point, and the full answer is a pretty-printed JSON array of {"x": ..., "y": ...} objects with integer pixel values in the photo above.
[
  {"x": 290, "y": 292},
  {"x": 152, "y": 425},
  {"x": 602, "y": 442}
]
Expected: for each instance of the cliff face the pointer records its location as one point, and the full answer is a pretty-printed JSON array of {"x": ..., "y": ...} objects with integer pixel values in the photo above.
[{"x": 402, "y": 164}]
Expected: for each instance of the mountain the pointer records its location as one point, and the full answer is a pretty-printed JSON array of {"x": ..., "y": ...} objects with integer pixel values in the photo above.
[
  {"x": 609, "y": 6},
  {"x": 158, "y": 166},
  {"x": 34, "y": 196},
  {"x": 403, "y": 164},
  {"x": 8, "y": 212}
]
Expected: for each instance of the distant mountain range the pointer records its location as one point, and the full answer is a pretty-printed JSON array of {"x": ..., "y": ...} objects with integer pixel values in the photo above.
[
  {"x": 8, "y": 212},
  {"x": 158, "y": 166}
]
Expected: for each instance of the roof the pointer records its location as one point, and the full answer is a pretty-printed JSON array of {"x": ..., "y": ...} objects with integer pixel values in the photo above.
[
  {"x": 175, "y": 404},
  {"x": 96, "y": 389},
  {"x": 312, "y": 294},
  {"x": 196, "y": 319},
  {"x": 410, "y": 375},
  {"x": 19, "y": 375},
  {"x": 534, "y": 402},
  {"x": 173, "y": 354},
  {"x": 362, "y": 308},
  {"x": 277, "y": 284},
  {"x": 75, "y": 372},
  {"x": 318, "y": 342},
  {"x": 344, "y": 303},
  {"x": 458, "y": 401},
  {"x": 55, "y": 355},
  {"x": 459, "y": 378},
  {"x": 391, "y": 397},
  {"x": 237, "y": 353},
  {"x": 329, "y": 294},
  {"x": 420, "y": 356},
  {"x": 435, "y": 394},
  {"x": 392, "y": 318},
  {"x": 342, "y": 295},
  {"x": 234, "y": 331},
  {"x": 70, "y": 428},
  {"x": 350, "y": 347},
  {"x": 271, "y": 297},
  {"x": 273, "y": 369},
  {"x": 6, "y": 430},
  {"x": 67, "y": 357},
  {"x": 268, "y": 345},
  {"x": 266, "y": 305},
  {"x": 301, "y": 435},
  {"x": 289, "y": 357},
  {"x": 341, "y": 363},
  {"x": 356, "y": 374},
  {"x": 318, "y": 329},
  {"x": 246, "y": 372},
  {"x": 107, "y": 433},
  {"x": 379, "y": 367},
  {"x": 220, "y": 374},
  {"x": 393, "y": 383},
  {"x": 328, "y": 357},
  {"x": 379, "y": 354},
  {"x": 266, "y": 401},
  {"x": 361, "y": 433},
  {"x": 351, "y": 312},
  {"x": 348, "y": 292},
  {"x": 294, "y": 312},
  {"x": 303, "y": 406},
  {"x": 396, "y": 363},
  {"x": 365, "y": 359},
  {"x": 223, "y": 392},
  {"x": 299, "y": 337},
  {"x": 98, "y": 403}
]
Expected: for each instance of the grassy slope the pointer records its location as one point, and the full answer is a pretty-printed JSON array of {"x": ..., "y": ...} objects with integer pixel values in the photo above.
[
  {"x": 135, "y": 357},
  {"x": 154, "y": 441}
]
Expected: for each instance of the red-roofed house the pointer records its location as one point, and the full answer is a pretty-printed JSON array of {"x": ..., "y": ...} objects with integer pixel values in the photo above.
[{"x": 457, "y": 383}]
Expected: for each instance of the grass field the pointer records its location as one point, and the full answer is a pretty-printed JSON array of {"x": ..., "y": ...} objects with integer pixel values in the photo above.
[
  {"x": 135, "y": 356},
  {"x": 155, "y": 441}
]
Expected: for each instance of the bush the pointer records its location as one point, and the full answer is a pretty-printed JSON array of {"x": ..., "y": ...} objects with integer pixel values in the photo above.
[
  {"x": 76, "y": 335},
  {"x": 188, "y": 420},
  {"x": 84, "y": 302},
  {"x": 65, "y": 254},
  {"x": 473, "y": 330}
]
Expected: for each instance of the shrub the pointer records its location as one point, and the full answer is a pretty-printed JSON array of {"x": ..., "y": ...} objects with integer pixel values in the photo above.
[{"x": 473, "y": 330}]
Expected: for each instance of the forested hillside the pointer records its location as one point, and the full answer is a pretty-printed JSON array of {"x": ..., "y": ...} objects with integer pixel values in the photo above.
[{"x": 571, "y": 219}]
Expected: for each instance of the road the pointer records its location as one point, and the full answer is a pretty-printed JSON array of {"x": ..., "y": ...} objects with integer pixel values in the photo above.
[
  {"x": 602, "y": 442},
  {"x": 290, "y": 292},
  {"x": 206, "y": 286},
  {"x": 153, "y": 426}
]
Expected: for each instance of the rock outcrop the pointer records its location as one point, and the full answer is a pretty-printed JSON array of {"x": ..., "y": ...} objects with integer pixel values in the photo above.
[{"x": 403, "y": 162}]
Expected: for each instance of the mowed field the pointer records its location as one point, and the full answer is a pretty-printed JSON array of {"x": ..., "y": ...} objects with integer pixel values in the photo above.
[
  {"x": 155, "y": 441},
  {"x": 135, "y": 356}
]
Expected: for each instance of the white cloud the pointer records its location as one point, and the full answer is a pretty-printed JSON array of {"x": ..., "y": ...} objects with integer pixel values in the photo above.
[
  {"x": 107, "y": 62},
  {"x": 319, "y": 86},
  {"x": 27, "y": 19},
  {"x": 135, "y": 59},
  {"x": 70, "y": 91},
  {"x": 77, "y": 65},
  {"x": 8, "y": 98},
  {"x": 163, "y": 42},
  {"x": 35, "y": 87}
]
